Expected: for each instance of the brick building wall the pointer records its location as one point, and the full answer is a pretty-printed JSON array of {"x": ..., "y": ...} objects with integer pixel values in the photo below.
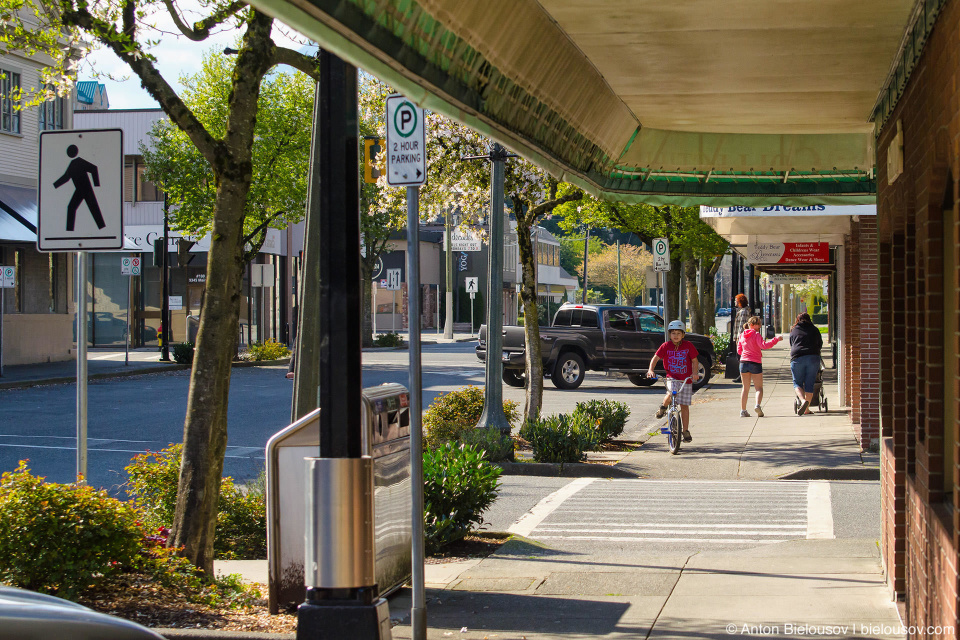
[{"x": 919, "y": 373}]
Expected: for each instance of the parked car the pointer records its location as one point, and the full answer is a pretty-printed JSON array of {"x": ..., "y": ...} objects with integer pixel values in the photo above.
[
  {"x": 26, "y": 614},
  {"x": 596, "y": 338}
]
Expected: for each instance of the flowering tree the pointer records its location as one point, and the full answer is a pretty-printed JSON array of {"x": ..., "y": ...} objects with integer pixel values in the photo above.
[
  {"x": 458, "y": 185},
  {"x": 633, "y": 264}
]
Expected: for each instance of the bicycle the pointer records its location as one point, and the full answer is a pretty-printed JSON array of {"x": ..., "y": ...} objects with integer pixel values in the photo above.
[{"x": 674, "y": 428}]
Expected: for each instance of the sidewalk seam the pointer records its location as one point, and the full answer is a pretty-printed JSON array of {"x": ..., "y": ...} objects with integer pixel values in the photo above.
[{"x": 669, "y": 595}]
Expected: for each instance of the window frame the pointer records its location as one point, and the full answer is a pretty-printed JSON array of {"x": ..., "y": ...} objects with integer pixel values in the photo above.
[{"x": 10, "y": 112}]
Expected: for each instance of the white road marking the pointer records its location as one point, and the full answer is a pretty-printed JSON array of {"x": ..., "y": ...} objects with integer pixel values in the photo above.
[
  {"x": 819, "y": 510},
  {"x": 529, "y": 521}
]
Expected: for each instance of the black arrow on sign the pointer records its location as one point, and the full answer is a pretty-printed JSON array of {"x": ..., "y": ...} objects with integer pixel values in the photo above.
[{"x": 419, "y": 173}]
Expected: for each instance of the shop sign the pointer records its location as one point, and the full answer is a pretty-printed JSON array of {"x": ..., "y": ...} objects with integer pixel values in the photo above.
[
  {"x": 463, "y": 241},
  {"x": 788, "y": 252},
  {"x": 781, "y": 210}
]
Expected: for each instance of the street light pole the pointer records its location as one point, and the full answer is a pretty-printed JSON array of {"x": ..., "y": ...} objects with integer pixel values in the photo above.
[
  {"x": 448, "y": 323},
  {"x": 586, "y": 252}
]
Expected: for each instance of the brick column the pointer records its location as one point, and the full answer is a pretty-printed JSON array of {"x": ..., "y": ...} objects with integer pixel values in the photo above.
[{"x": 869, "y": 337}]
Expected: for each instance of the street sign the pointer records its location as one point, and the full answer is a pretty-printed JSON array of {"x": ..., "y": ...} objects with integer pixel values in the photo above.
[
  {"x": 406, "y": 143},
  {"x": 473, "y": 294},
  {"x": 261, "y": 275},
  {"x": 81, "y": 190},
  {"x": 176, "y": 303},
  {"x": 661, "y": 254},
  {"x": 8, "y": 277},
  {"x": 463, "y": 241},
  {"x": 472, "y": 284},
  {"x": 130, "y": 266},
  {"x": 788, "y": 252},
  {"x": 393, "y": 280}
]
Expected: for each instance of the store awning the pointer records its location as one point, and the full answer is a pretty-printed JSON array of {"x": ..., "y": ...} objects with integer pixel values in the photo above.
[
  {"x": 697, "y": 102},
  {"x": 18, "y": 214}
]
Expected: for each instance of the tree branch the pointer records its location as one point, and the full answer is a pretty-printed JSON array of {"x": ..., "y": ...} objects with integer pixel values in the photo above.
[
  {"x": 297, "y": 60},
  {"x": 545, "y": 207},
  {"x": 130, "y": 19},
  {"x": 201, "y": 30}
]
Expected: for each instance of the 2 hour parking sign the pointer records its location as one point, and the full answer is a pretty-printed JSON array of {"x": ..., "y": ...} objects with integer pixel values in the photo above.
[{"x": 406, "y": 143}]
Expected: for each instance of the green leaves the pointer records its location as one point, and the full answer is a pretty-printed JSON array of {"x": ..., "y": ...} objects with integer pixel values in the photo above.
[
  {"x": 608, "y": 418},
  {"x": 454, "y": 413},
  {"x": 458, "y": 486},
  {"x": 560, "y": 438}
]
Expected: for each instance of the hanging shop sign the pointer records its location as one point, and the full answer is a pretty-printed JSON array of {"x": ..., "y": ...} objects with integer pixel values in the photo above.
[
  {"x": 780, "y": 210},
  {"x": 788, "y": 252}
]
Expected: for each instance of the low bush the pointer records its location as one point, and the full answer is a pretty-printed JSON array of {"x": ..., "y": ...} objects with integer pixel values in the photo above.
[
  {"x": 455, "y": 413},
  {"x": 183, "y": 352},
  {"x": 720, "y": 341},
  {"x": 269, "y": 350},
  {"x": 458, "y": 486},
  {"x": 388, "y": 340},
  {"x": 559, "y": 438},
  {"x": 242, "y": 513},
  {"x": 62, "y": 539},
  {"x": 493, "y": 445},
  {"x": 608, "y": 418}
]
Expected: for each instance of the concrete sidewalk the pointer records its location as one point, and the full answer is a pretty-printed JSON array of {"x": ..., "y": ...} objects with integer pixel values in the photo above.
[{"x": 779, "y": 445}]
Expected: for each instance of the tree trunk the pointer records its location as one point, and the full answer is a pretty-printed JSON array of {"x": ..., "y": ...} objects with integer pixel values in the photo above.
[
  {"x": 205, "y": 427},
  {"x": 690, "y": 268},
  {"x": 531, "y": 325},
  {"x": 708, "y": 278}
]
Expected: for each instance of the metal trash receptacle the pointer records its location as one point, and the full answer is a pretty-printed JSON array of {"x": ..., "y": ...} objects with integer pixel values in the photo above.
[{"x": 386, "y": 438}]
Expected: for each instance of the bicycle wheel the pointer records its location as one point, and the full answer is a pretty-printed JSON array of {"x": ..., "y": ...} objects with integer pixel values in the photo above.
[{"x": 674, "y": 431}]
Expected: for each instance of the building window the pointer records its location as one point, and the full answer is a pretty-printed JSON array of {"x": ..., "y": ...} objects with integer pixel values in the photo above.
[
  {"x": 9, "y": 101},
  {"x": 146, "y": 190},
  {"x": 51, "y": 113}
]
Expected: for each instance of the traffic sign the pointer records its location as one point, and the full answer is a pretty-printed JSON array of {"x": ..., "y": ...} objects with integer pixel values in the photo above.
[
  {"x": 406, "y": 143},
  {"x": 472, "y": 284},
  {"x": 393, "y": 280},
  {"x": 130, "y": 266},
  {"x": 81, "y": 190},
  {"x": 8, "y": 277},
  {"x": 661, "y": 254}
]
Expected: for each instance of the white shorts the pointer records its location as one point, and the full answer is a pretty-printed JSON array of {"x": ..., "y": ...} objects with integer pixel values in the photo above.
[{"x": 684, "y": 391}]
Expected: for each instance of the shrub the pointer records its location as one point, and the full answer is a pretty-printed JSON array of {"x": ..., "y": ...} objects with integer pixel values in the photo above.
[
  {"x": 493, "y": 445},
  {"x": 458, "y": 485},
  {"x": 241, "y": 513},
  {"x": 62, "y": 538},
  {"x": 559, "y": 438},
  {"x": 720, "y": 341},
  {"x": 388, "y": 340},
  {"x": 608, "y": 418},
  {"x": 454, "y": 413},
  {"x": 183, "y": 352},
  {"x": 269, "y": 350}
]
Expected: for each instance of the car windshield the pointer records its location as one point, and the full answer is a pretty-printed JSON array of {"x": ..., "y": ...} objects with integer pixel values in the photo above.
[{"x": 650, "y": 322}]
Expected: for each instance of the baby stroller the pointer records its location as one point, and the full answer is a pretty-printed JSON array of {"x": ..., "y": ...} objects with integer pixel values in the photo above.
[{"x": 819, "y": 397}]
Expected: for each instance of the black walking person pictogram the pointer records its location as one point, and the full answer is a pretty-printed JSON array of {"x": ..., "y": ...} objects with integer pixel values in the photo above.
[{"x": 83, "y": 192}]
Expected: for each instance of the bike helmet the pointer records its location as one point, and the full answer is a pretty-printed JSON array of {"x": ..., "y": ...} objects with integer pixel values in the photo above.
[{"x": 676, "y": 324}]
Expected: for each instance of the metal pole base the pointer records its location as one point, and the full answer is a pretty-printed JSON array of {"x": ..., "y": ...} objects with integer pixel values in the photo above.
[{"x": 363, "y": 618}]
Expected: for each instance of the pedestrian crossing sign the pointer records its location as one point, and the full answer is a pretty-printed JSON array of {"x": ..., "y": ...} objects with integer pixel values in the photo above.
[{"x": 81, "y": 190}]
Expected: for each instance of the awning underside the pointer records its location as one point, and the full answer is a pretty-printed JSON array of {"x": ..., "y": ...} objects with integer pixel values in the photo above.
[{"x": 697, "y": 102}]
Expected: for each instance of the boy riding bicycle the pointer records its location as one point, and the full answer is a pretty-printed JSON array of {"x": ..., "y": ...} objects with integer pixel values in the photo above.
[{"x": 680, "y": 361}]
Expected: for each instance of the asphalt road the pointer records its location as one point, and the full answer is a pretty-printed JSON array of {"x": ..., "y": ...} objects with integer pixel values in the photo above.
[{"x": 130, "y": 415}]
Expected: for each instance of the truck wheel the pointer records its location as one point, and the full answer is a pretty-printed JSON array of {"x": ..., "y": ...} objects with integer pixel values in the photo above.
[
  {"x": 514, "y": 377},
  {"x": 569, "y": 372},
  {"x": 704, "y": 365},
  {"x": 640, "y": 380}
]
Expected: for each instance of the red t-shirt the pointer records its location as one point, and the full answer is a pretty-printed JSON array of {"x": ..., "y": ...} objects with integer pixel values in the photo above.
[{"x": 677, "y": 359}]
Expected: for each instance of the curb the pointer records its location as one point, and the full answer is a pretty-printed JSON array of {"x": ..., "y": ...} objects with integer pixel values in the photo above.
[
  {"x": 153, "y": 368},
  {"x": 217, "y": 634},
  {"x": 838, "y": 473},
  {"x": 568, "y": 470}
]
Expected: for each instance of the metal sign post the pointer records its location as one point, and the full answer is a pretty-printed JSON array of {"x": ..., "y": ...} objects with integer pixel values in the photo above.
[
  {"x": 81, "y": 367},
  {"x": 406, "y": 165},
  {"x": 129, "y": 267},
  {"x": 8, "y": 280},
  {"x": 661, "y": 262}
]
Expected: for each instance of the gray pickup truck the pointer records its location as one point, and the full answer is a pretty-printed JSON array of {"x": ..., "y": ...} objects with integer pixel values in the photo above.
[{"x": 597, "y": 338}]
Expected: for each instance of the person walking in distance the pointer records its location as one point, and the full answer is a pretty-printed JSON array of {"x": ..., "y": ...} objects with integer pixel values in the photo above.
[
  {"x": 749, "y": 347},
  {"x": 741, "y": 315},
  {"x": 78, "y": 171},
  {"x": 805, "y": 345}
]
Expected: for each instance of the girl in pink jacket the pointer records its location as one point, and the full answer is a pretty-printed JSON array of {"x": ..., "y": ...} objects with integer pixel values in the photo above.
[{"x": 749, "y": 347}]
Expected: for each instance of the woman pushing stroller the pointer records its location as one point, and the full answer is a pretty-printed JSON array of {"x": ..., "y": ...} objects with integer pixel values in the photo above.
[{"x": 805, "y": 345}]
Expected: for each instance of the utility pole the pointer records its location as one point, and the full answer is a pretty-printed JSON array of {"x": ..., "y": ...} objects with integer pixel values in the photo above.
[
  {"x": 586, "y": 252},
  {"x": 165, "y": 288},
  {"x": 619, "y": 287},
  {"x": 493, "y": 417},
  {"x": 448, "y": 323}
]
